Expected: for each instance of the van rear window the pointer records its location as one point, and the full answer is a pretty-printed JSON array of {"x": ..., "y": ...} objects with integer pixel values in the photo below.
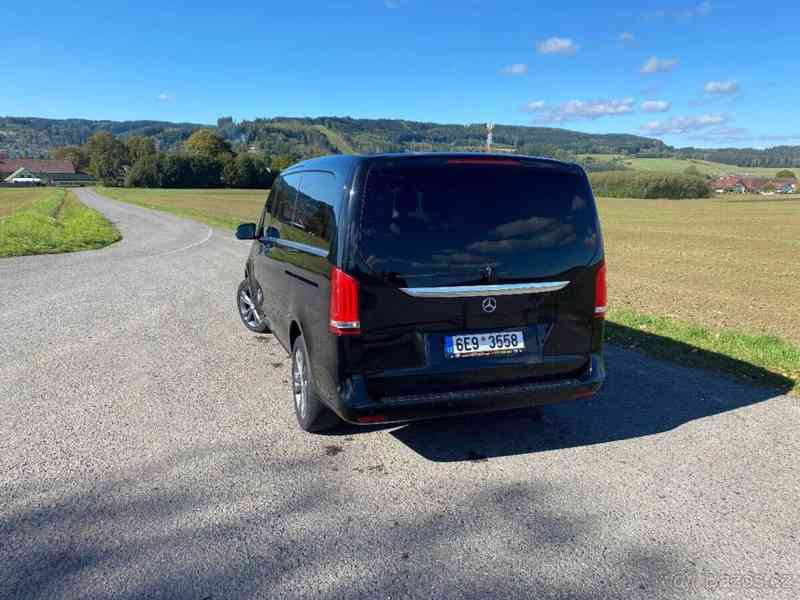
[{"x": 468, "y": 224}]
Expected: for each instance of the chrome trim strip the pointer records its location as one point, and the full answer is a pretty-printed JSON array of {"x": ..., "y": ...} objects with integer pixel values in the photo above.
[
  {"x": 300, "y": 247},
  {"x": 346, "y": 324},
  {"x": 469, "y": 291}
]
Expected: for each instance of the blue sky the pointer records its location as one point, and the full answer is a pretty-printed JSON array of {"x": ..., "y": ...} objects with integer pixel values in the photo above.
[{"x": 711, "y": 73}]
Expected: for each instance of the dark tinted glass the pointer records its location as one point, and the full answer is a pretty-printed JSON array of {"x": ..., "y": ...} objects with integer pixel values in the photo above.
[
  {"x": 264, "y": 213},
  {"x": 312, "y": 215},
  {"x": 284, "y": 207},
  {"x": 448, "y": 225}
]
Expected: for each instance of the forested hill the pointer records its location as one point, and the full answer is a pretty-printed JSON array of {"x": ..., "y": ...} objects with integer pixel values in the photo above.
[
  {"x": 36, "y": 138},
  {"x": 303, "y": 137}
]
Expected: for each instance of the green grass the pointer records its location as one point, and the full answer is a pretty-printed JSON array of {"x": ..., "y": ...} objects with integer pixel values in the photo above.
[
  {"x": 55, "y": 222},
  {"x": 215, "y": 207},
  {"x": 762, "y": 359},
  {"x": 679, "y": 165}
]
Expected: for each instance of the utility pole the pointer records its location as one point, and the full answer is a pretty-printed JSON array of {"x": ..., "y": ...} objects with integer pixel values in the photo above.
[{"x": 489, "y": 128}]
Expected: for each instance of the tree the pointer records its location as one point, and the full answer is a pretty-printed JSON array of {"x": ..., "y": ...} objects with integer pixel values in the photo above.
[
  {"x": 247, "y": 171},
  {"x": 206, "y": 171},
  {"x": 281, "y": 161},
  {"x": 176, "y": 171},
  {"x": 107, "y": 157},
  {"x": 140, "y": 146},
  {"x": 146, "y": 172},
  {"x": 785, "y": 174},
  {"x": 205, "y": 142},
  {"x": 74, "y": 154}
]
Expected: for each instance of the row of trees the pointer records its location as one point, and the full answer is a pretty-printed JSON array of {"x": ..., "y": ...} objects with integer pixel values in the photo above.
[
  {"x": 636, "y": 184},
  {"x": 777, "y": 156},
  {"x": 205, "y": 160}
]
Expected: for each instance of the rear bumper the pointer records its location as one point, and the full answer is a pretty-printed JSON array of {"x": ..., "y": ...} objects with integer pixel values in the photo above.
[{"x": 354, "y": 405}]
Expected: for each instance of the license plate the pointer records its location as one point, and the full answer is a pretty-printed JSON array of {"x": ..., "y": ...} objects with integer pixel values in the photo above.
[{"x": 483, "y": 344}]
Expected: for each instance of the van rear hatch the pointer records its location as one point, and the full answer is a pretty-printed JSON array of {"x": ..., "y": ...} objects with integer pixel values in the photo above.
[{"x": 475, "y": 246}]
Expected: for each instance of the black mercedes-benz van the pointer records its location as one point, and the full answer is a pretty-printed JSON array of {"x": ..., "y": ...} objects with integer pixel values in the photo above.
[{"x": 409, "y": 286}]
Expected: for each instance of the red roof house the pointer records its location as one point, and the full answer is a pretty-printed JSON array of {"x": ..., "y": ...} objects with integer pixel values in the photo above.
[{"x": 36, "y": 165}]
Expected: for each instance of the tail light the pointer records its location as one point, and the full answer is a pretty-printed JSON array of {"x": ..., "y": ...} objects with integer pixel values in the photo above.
[
  {"x": 344, "y": 304},
  {"x": 600, "y": 293}
]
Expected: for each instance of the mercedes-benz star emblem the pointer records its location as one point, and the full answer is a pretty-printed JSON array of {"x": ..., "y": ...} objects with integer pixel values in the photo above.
[{"x": 488, "y": 305}]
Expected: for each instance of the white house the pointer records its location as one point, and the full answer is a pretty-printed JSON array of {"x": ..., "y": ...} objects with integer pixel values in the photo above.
[{"x": 23, "y": 176}]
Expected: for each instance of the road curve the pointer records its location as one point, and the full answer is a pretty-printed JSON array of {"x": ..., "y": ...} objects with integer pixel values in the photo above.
[{"x": 148, "y": 449}]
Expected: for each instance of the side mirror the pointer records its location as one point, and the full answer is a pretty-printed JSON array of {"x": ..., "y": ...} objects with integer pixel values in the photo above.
[{"x": 246, "y": 231}]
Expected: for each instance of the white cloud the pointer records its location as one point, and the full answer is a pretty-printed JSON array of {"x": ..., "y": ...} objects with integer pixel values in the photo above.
[
  {"x": 516, "y": 69},
  {"x": 575, "y": 110},
  {"x": 683, "y": 124},
  {"x": 557, "y": 45},
  {"x": 534, "y": 106},
  {"x": 658, "y": 65},
  {"x": 165, "y": 97},
  {"x": 653, "y": 106},
  {"x": 722, "y": 87},
  {"x": 626, "y": 37}
]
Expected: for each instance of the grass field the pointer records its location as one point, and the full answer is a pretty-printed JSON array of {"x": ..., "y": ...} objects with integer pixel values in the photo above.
[
  {"x": 219, "y": 208},
  {"x": 719, "y": 263},
  {"x": 675, "y": 165},
  {"x": 49, "y": 221},
  {"x": 12, "y": 199},
  {"x": 720, "y": 277},
  {"x": 718, "y": 274}
]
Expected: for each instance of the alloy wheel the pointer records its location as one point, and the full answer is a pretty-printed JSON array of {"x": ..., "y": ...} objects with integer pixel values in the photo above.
[
  {"x": 247, "y": 309},
  {"x": 300, "y": 382}
]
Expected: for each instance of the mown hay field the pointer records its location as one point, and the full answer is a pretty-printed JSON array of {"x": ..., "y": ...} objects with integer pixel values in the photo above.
[
  {"x": 218, "y": 207},
  {"x": 13, "y": 198},
  {"x": 723, "y": 262}
]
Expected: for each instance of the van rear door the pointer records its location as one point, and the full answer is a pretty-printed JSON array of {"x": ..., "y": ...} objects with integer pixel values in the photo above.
[{"x": 476, "y": 245}]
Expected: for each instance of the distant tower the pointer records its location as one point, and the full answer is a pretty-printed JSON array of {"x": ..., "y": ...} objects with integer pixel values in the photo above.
[{"x": 489, "y": 128}]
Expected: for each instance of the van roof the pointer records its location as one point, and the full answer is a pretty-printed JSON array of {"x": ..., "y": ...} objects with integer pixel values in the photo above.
[{"x": 344, "y": 161}]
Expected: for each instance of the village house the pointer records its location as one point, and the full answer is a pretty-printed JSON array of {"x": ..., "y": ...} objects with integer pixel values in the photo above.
[
  {"x": 754, "y": 185},
  {"x": 36, "y": 171}
]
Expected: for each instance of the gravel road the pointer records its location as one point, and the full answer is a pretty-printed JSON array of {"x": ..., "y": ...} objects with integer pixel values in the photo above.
[{"x": 148, "y": 449}]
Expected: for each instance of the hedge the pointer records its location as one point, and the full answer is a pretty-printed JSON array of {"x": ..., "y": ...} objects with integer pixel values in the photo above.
[{"x": 634, "y": 184}]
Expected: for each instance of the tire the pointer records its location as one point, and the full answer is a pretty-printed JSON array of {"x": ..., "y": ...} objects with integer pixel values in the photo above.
[
  {"x": 248, "y": 312},
  {"x": 312, "y": 415}
]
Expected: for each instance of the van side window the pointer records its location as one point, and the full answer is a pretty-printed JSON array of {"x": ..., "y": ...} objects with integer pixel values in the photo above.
[
  {"x": 284, "y": 206},
  {"x": 265, "y": 211},
  {"x": 313, "y": 214}
]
